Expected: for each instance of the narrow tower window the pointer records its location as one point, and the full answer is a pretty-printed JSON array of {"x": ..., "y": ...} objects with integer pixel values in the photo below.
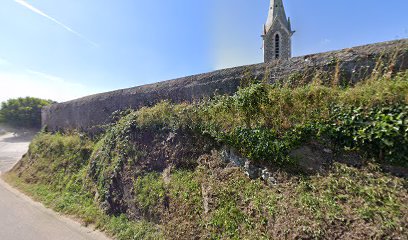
[{"x": 277, "y": 46}]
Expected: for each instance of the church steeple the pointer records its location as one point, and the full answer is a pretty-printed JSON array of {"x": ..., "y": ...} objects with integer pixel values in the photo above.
[
  {"x": 277, "y": 33},
  {"x": 276, "y": 10}
]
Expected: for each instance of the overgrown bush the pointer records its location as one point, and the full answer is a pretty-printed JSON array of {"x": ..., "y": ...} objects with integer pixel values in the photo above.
[
  {"x": 56, "y": 171},
  {"x": 264, "y": 122},
  {"x": 211, "y": 200},
  {"x": 23, "y": 112},
  {"x": 66, "y": 153},
  {"x": 381, "y": 132},
  {"x": 110, "y": 154}
]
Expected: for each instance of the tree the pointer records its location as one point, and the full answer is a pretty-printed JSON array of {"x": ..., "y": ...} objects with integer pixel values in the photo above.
[{"x": 23, "y": 112}]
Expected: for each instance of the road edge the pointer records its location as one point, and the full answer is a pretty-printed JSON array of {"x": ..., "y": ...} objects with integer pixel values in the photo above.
[{"x": 71, "y": 223}]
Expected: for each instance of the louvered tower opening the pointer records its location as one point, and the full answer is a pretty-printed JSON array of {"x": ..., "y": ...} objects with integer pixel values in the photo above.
[{"x": 277, "y": 46}]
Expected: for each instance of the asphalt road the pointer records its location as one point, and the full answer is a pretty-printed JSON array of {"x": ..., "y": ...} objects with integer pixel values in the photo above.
[{"x": 23, "y": 219}]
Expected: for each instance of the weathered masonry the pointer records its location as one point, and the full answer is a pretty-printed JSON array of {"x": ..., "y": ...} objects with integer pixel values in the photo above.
[
  {"x": 346, "y": 66},
  {"x": 277, "y": 33}
]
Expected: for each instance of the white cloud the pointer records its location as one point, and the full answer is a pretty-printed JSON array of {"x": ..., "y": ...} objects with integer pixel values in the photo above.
[
  {"x": 46, "y": 76},
  {"x": 41, "y": 85},
  {"x": 38, "y": 11}
]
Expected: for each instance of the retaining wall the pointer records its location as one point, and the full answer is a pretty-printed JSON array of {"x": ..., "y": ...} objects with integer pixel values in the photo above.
[{"x": 346, "y": 66}]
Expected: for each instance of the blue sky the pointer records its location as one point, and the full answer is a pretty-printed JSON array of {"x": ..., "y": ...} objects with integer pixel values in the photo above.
[{"x": 71, "y": 48}]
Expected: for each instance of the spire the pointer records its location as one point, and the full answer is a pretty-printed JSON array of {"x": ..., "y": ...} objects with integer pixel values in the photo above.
[
  {"x": 277, "y": 33},
  {"x": 276, "y": 10}
]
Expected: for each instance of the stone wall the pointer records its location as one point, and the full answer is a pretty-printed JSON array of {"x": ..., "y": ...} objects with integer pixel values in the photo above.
[
  {"x": 285, "y": 44},
  {"x": 346, "y": 66}
]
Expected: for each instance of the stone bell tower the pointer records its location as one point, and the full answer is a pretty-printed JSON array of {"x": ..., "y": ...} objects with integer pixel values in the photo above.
[{"x": 277, "y": 33}]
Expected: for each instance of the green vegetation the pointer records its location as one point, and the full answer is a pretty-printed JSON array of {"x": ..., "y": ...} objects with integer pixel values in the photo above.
[
  {"x": 23, "y": 112},
  {"x": 217, "y": 202},
  {"x": 380, "y": 132},
  {"x": 244, "y": 208},
  {"x": 149, "y": 191},
  {"x": 265, "y": 122},
  {"x": 111, "y": 154},
  {"x": 111, "y": 182},
  {"x": 365, "y": 194},
  {"x": 58, "y": 178}
]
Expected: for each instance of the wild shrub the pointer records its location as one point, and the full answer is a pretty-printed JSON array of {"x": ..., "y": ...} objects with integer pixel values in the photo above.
[
  {"x": 264, "y": 122},
  {"x": 23, "y": 112},
  {"x": 380, "y": 132},
  {"x": 374, "y": 92},
  {"x": 110, "y": 155},
  {"x": 250, "y": 102},
  {"x": 57, "y": 153}
]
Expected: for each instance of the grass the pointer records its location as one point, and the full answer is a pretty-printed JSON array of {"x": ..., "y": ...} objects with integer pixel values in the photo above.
[
  {"x": 243, "y": 207},
  {"x": 58, "y": 178},
  {"x": 149, "y": 191},
  {"x": 238, "y": 208},
  {"x": 264, "y": 122},
  {"x": 86, "y": 210},
  {"x": 348, "y": 193},
  {"x": 78, "y": 176}
]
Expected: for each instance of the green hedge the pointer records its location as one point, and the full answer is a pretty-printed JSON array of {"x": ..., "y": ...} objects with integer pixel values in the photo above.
[{"x": 23, "y": 112}]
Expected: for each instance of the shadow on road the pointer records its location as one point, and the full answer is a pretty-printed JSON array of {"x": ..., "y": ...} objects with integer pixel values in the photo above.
[
  {"x": 16, "y": 135},
  {"x": 19, "y": 137},
  {"x": 13, "y": 145}
]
